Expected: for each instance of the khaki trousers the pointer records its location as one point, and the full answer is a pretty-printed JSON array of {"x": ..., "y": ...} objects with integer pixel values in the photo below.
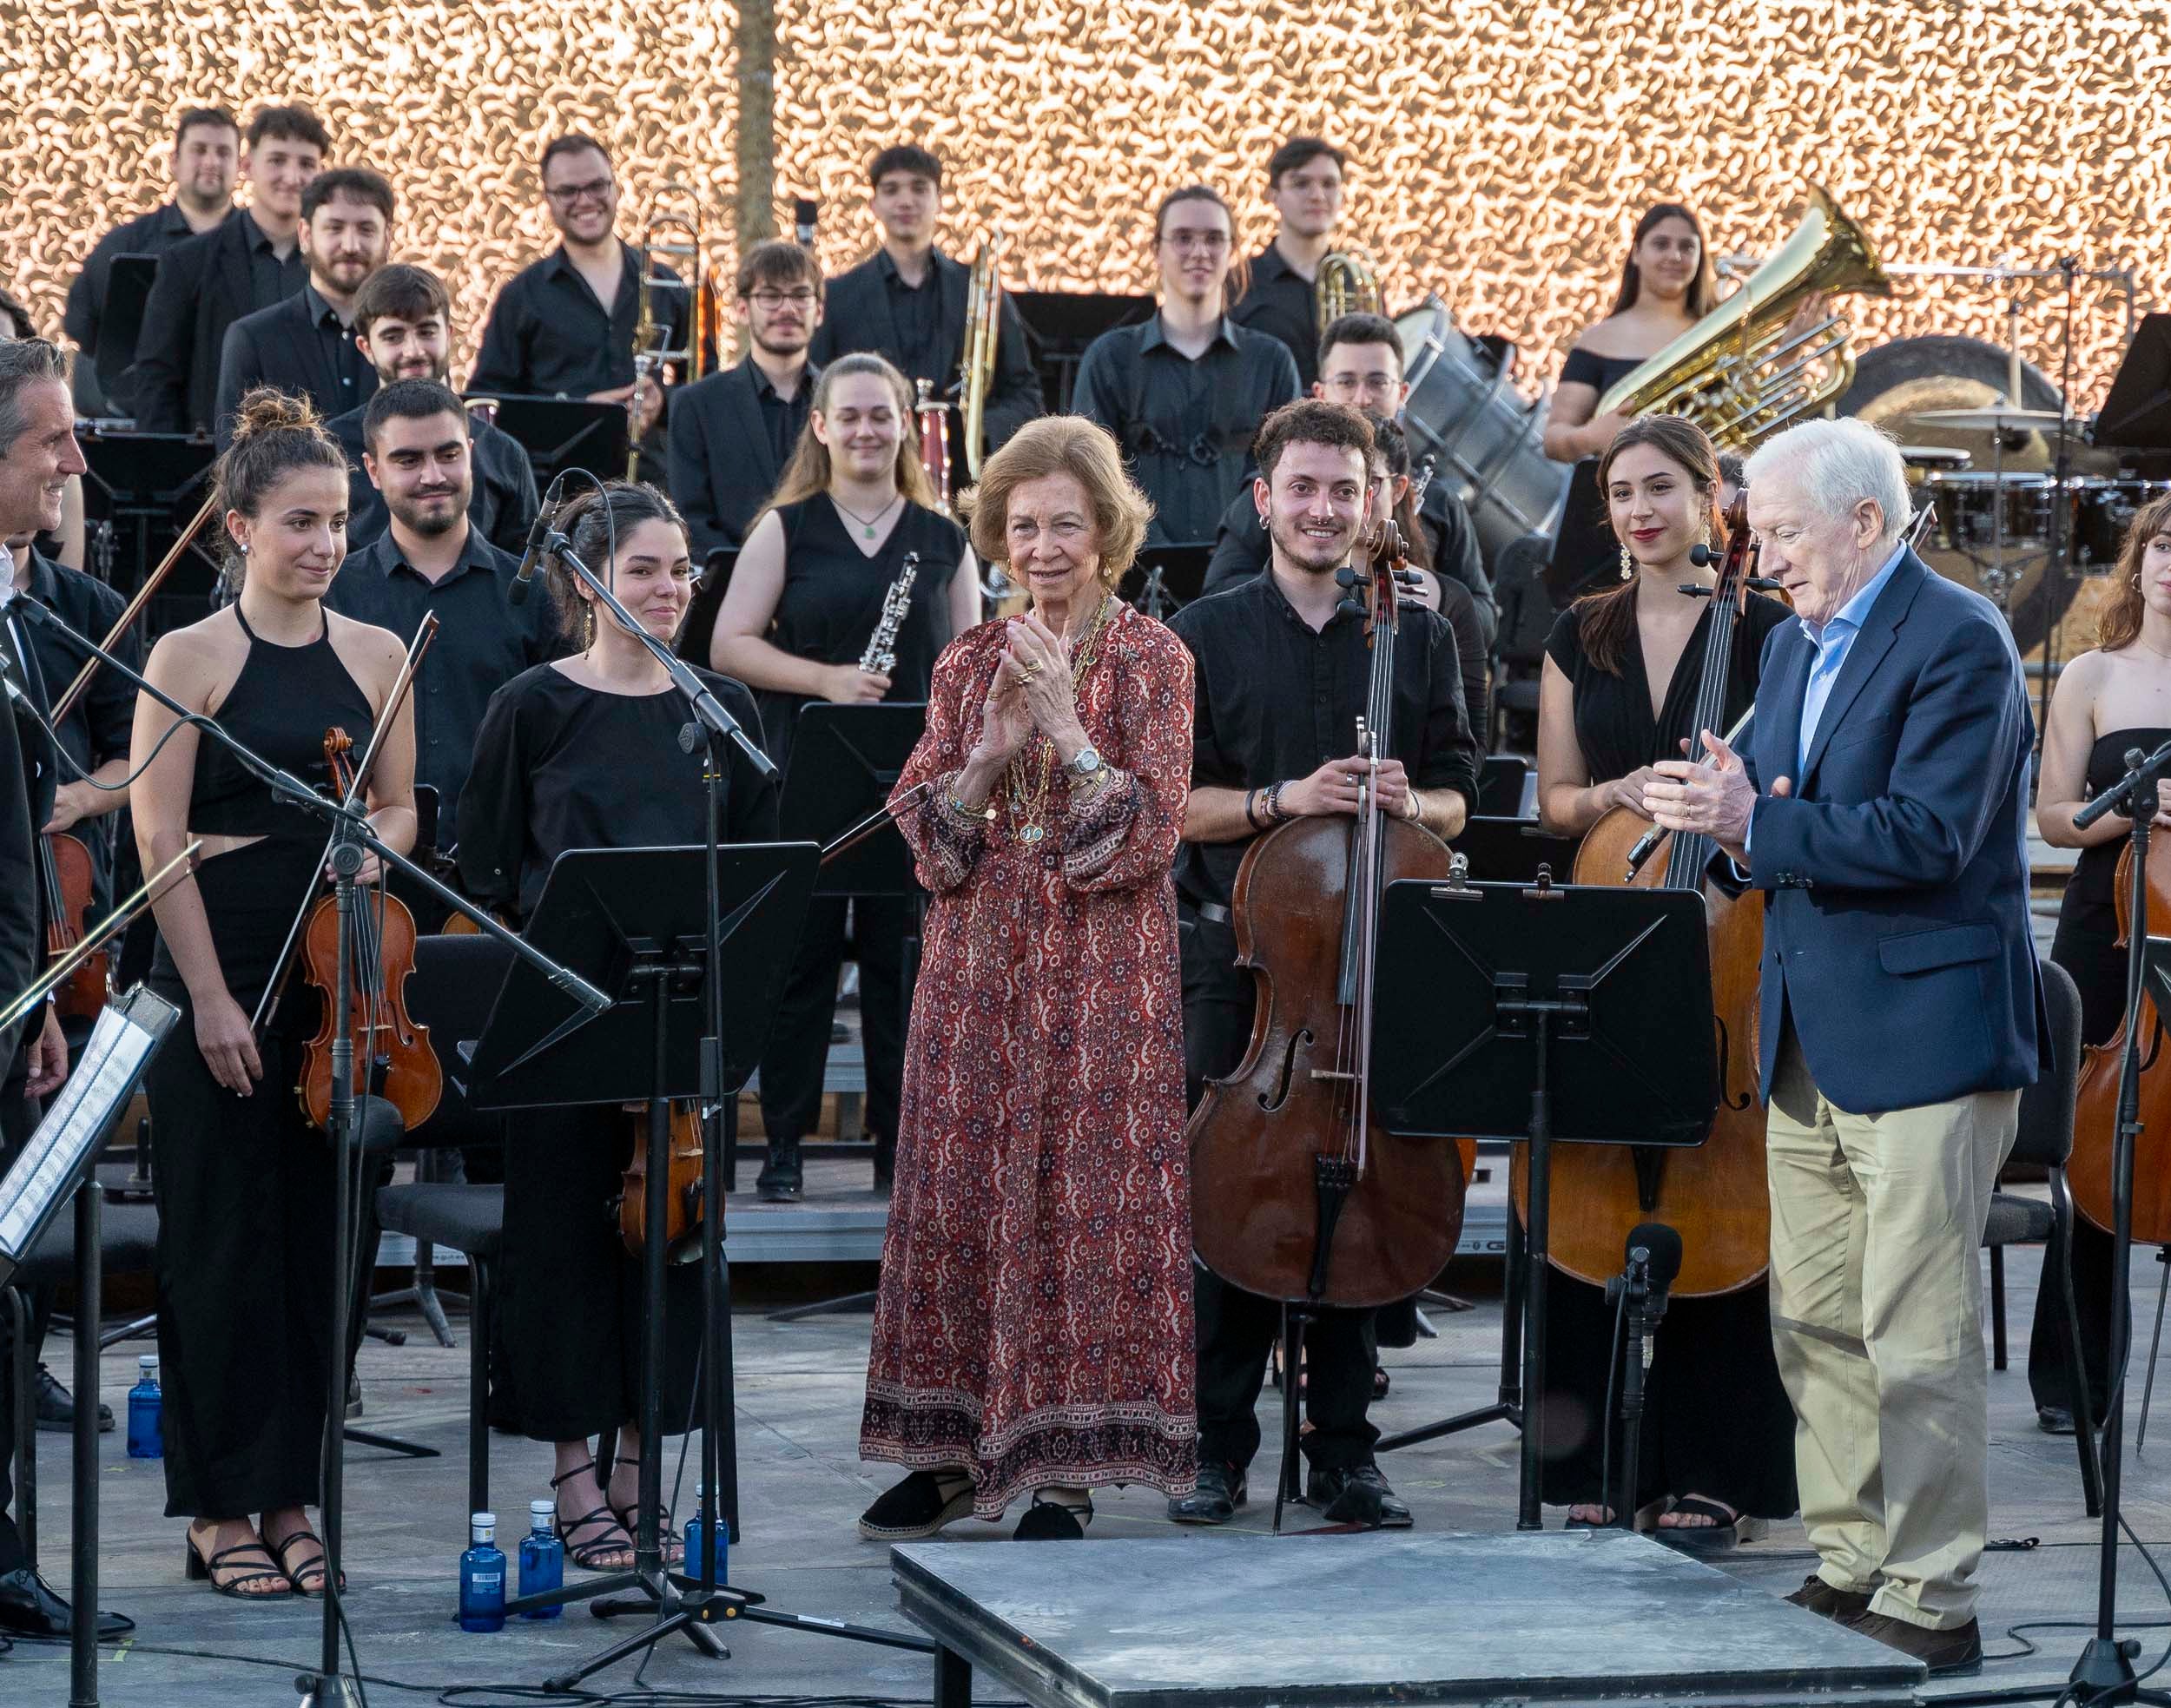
[{"x": 1876, "y": 1306}]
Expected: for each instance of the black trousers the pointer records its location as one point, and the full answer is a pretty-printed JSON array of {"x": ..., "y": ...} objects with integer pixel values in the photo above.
[
  {"x": 1236, "y": 1329},
  {"x": 798, "y": 1047},
  {"x": 571, "y": 1306},
  {"x": 18, "y": 1119},
  {"x": 245, "y": 1261}
]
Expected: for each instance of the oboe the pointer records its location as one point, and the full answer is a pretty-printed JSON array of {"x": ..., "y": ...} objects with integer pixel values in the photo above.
[{"x": 880, "y": 657}]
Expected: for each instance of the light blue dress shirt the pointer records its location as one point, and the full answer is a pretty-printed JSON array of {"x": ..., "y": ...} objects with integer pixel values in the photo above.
[{"x": 1831, "y": 642}]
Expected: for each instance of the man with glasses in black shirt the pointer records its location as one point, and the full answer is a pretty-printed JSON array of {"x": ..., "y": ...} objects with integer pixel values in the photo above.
[
  {"x": 565, "y": 327},
  {"x": 733, "y": 432},
  {"x": 1303, "y": 182},
  {"x": 1185, "y": 391},
  {"x": 205, "y": 285},
  {"x": 403, "y": 326},
  {"x": 1281, "y": 677},
  {"x": 907, "y": 302}
]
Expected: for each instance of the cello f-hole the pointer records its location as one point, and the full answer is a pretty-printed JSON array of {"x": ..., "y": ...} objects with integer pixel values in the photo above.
[
  {"x": 1277, "y": 1094},
  {"x": 1735, "y": 1101}
]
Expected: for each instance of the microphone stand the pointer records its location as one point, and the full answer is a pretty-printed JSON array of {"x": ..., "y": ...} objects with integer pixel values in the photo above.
[
  {"x": 2104, "y": 1674},
  {"x": 352, "y": 838},
  {"x": 1637, "y": 1282}
]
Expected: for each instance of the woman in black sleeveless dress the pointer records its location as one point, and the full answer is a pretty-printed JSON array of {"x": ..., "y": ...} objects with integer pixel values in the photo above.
[
  {"x": 805, "y": 599},
  {"x": 2116, "y": 697},
  {"x": 585, "y": 753},
  {"x": 1718, "y": 1435},
  {"x": 244, "y": 1184}
]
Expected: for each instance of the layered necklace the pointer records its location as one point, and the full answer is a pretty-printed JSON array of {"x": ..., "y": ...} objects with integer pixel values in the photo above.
[{"x": 1029, "y": 782}]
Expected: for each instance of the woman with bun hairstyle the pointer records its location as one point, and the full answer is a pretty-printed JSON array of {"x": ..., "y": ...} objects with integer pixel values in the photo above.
[{"x": 244, "y": 1186}]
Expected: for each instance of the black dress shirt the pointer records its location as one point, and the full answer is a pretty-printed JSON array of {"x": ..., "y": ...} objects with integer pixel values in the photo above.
[
  {"x": 916, "y": 312},
  {"x": 273, "y": 277},
  {"x": 1280, "y": 300},
  {"x": 731, "y": 435},
  {"x": 1277, "y": 701},
  {"x": 152, "y": 234},
  {"x": 549, "y": 337},
  {"x": 300, "y": 345},
  {"x": 1186, "y": 425},
  {"x": 101, "y": 724},
  {"x": 483, "y": 642},
  {"x": 502, "y": 509}
]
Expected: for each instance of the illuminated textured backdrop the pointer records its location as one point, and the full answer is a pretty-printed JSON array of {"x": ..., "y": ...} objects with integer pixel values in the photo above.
[{"x": 1505, "y": 145}]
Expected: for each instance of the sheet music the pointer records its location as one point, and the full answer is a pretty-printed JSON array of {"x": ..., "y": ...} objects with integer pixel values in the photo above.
[{"x": 78, "y": 1117}]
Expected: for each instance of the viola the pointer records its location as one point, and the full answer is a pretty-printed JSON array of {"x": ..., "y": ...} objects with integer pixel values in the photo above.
[
  {"x": 682, "y": 1213},
  {"x": 1298, "y": 1193},
  {"x": 2095, "y": 1111},
  {"x": 1715, "y": 1193},
  {"x": 392, "y": 1057},
  {"x": 65, "y": 883}
]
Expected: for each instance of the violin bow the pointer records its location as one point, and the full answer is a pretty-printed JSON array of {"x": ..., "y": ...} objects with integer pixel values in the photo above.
[
  {"x": 425, "y": 633},
  {"x": 96, "y": 939},
  {"x": 133, "y": 609}
]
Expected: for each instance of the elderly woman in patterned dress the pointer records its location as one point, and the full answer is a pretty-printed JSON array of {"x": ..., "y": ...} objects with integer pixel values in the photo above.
[{"x": 1033, "y": 1329}]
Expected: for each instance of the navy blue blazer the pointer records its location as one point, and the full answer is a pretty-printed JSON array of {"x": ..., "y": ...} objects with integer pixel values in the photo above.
[{"x": 1895, "y": 933}]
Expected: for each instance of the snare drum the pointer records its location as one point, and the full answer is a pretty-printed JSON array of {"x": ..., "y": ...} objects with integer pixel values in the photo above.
[
  {"x": 2102, "y": 511},
  {"x": 1487, "y": 440},
  {"x": 1979, "y": 514}
]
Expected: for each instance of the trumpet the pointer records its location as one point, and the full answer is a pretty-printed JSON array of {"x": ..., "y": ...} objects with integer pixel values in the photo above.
[
  {"x": 674, "y": 231},
  {"x": 983, "y": 325}
]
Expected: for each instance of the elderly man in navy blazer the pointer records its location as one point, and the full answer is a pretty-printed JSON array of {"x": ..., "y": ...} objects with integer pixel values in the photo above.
[{"x": 1881, "y": 802}]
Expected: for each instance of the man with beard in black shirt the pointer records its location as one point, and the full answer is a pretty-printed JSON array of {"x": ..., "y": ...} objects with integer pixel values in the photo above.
[{"x": 1282, "y": 673}]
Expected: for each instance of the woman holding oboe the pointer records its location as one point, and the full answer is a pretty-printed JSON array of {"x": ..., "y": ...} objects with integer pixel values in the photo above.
[{"x": 807, "y": 595}]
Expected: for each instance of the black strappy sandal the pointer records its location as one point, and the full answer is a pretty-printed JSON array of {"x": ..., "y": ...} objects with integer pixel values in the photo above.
[
  {"x": 589, "y": 1556},
  {"x": 630, "y": 1520},
  {"x": 279, "y": 1552},
  {"x": 202, "y": 1570}
]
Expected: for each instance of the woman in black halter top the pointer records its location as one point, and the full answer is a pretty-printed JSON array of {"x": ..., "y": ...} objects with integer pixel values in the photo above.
[
  {"x": 2116, "y": 697},
  {"x": 244, "y": 1184},
  {"x": 805, "y": 599}
]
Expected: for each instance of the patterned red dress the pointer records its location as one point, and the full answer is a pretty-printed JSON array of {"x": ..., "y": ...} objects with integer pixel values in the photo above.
[{"x": 1034, "y": 1320}]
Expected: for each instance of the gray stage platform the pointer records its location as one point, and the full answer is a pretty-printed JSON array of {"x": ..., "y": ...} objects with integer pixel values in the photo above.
[{"x": 1217, "y": 1622}]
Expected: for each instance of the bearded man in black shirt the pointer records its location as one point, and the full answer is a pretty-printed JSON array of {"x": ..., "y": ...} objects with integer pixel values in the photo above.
[{"x": 1282, "y": 673}]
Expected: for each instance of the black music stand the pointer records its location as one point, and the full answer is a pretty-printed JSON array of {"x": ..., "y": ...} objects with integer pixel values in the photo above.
[
  {"x": 844, "y": 761},
  {"x": 1061, "y": 323},
  {"x": 1166, "y": 578},
  {"x": 633, "y": 917},
  {"x": 1500, "y": 785},
  {"x": 560, "y": 433},
  {"x": 142, "y": 483},
  {"x": 2136, "y": 413},
  {"x": 1477, "y": 985},
  {"x": 1513, "y": 850}
]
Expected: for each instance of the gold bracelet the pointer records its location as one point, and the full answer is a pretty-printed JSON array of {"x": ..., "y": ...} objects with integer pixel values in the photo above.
[{"x": 972, "y": 814}]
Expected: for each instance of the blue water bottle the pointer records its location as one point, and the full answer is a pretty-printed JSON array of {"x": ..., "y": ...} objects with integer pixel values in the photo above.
[
  {"x": 694, "y": 1534},
  {"x": 482, "y": 1577},
  {"x": 146, "y": 1431},
  {"x": 542, "y": 1560}
]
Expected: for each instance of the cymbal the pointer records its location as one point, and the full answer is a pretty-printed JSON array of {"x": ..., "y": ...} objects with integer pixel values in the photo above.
[{"x": 1996, "y": 419}]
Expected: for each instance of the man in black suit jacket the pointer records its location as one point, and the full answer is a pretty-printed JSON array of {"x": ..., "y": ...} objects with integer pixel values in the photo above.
[
  {"x": 733, "y": 433},
  {"x": 304, "y": 346},
  {"x": 208, "y": 283},
  {"x": 403, "y": 326},
  {"x": 907, "y": 302},
  {"x": 205, "y": 158}
]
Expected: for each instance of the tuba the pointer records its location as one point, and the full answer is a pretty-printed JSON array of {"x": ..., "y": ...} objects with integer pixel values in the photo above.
[
  {"x": 983, "y": 324},
  {"x": 1346, "y": 284},
  {"x": 674, "y": 231},
  {"x": 1745, "y": 370}
]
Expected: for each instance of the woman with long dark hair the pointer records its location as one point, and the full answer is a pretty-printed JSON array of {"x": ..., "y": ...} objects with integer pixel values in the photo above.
[
  {"x": 805, "y": 599},
  {"x": 2116, "y": 697},
  {"x": 245, "y": 1244},
  {"x": 1667, "y": 286},
  {"x": 1622, "y": 672},
  {"x": 584, "y": 752}
]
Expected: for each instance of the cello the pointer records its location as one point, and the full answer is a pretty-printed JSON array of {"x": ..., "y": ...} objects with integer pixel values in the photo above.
[
  {"x": 2088, "y": 1171},
  {"x": 1298, "y": 1193},
  {"x": 1715, "y": 1193}
]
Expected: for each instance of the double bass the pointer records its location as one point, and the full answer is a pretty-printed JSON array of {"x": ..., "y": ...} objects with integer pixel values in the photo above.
[
  {"x": 1299, "y": 1193},
  {"x": 1715, "y": 1193},
  {"x": 2088, "y": 1171}
]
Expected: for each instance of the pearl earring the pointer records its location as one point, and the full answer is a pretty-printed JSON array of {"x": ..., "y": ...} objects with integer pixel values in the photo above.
[{"x": 1628, "y": 565}]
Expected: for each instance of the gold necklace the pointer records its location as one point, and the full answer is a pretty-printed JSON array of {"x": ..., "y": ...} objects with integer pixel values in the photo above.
[{"x": 1027, "y": 801}]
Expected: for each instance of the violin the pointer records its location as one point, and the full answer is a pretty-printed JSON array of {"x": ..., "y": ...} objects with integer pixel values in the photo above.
[
  {"x": 681, "y": 1217},
  {"x": 1714, "y": 1193},
  {"x": 392, "y": 1057},
  {"x": 64, "y": 884},
  {"x": 1298, "y": 1193},
  {"x": 2096, "y": 1112}
]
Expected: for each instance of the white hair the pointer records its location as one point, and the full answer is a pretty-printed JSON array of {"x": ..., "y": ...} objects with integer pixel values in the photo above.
[{"x": 1839, "y": 463}]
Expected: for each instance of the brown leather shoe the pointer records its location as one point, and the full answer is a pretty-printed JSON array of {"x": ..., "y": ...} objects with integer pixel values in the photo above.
[
  {"x": 1944, "y": 1652},
  {"x": 1845, "y": 1605}
]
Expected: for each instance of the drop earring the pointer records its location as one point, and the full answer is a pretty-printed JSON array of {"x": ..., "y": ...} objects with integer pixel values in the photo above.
[{"x": 1628, "y": 565}]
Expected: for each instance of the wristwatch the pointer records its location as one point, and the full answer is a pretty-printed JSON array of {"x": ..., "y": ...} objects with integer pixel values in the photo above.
[{"x": 1084, "y": 763}]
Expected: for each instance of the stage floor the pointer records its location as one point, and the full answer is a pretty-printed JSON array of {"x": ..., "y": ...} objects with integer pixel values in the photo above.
[{"x": 799, "y": 1389}]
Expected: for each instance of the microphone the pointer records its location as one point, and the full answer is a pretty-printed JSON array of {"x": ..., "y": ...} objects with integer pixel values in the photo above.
[
  {"x": 538, "y": 537},
  {"x": 2115, "y": 800},
  {"x": 1654, "y": 1253},
  {"x": 804, "y": 211}
]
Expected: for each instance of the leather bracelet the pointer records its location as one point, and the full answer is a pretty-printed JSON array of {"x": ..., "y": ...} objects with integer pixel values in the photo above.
[{"x": 1251, "y": 817}]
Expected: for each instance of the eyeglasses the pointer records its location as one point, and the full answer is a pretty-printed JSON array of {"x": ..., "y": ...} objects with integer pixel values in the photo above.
[
  {"x": 1207, "y": 242},
  {"x": 596, "y": 189},
  {"x": 773, "y": 300}
]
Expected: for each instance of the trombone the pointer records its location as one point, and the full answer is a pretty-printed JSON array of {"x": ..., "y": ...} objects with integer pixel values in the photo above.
[
  {"x": 983, "y": 326},
  {"x": 675, "y": 232}
]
